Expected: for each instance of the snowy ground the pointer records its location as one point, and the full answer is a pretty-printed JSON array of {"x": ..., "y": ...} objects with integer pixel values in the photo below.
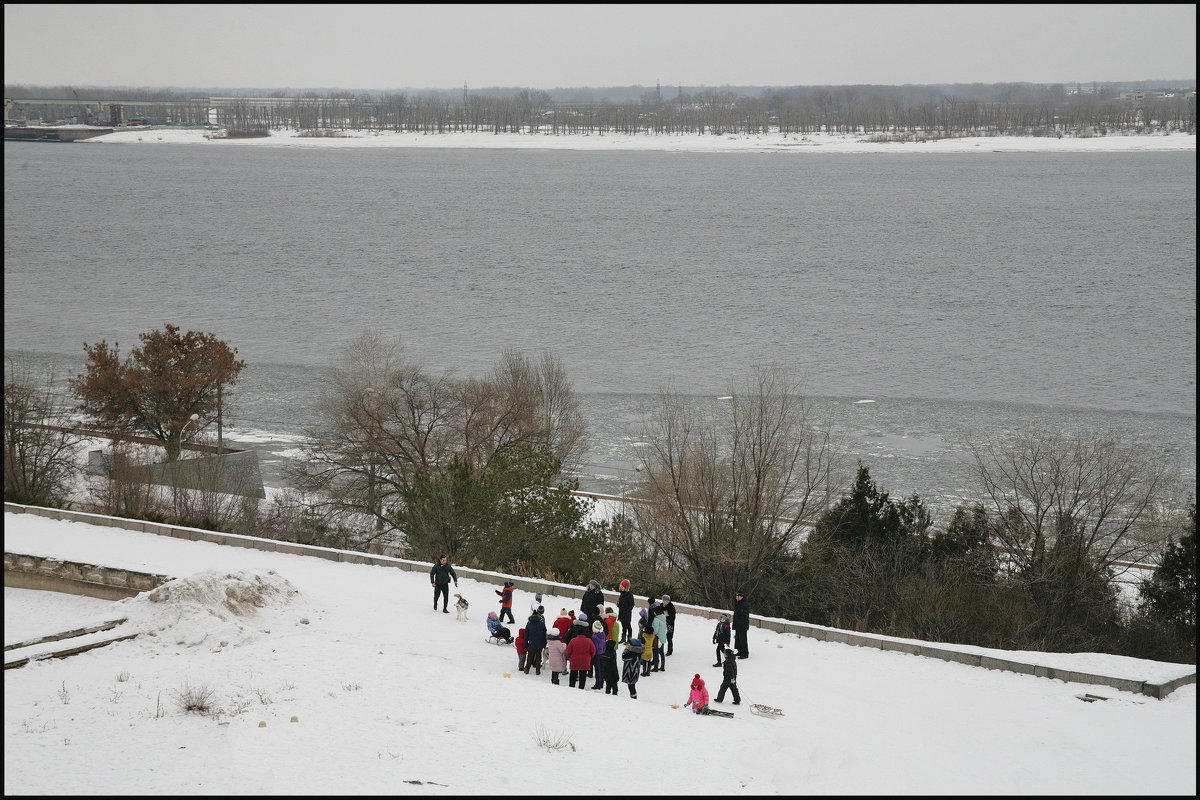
[
  {"x": 390, "y": 697},
  {"x": 778, "y": 143}
]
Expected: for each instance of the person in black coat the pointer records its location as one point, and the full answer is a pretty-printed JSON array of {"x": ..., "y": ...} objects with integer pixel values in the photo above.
[
  {"x": 580, "y": 626},
  {"x": 669, "y": 610},
  {"x": 439, "y": 578},
  {"x": 593, "y": 597},
  {"x": 721, "y": 638},
  {"x": 741, "y": 623},
  {"x": 625, "y": 612},
  {"x": 729, "y": 679},
  {"x": 612, "y": 670},
  {"x": 535, "y": 642}
]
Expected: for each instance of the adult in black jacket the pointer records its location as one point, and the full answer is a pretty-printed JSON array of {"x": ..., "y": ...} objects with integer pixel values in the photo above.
[
  {"x": 593, "y": 597},
  {"x": 741, "y": 623},
  {"x": 729, "y": 679},
  {"x": 535, "y": 642},
  {"x": 625, "y": 612},
  {"x": 439, "y": 578},
  {"x": 669, "y": 610}
]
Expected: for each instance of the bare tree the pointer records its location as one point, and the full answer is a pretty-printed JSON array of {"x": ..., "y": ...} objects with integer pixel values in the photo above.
[
  {"x": 730, "y": 490},
  {"x": 41, "y": 452},
  {"x": 1069, "y": 508},
  {"x": 388, "y": 422}
]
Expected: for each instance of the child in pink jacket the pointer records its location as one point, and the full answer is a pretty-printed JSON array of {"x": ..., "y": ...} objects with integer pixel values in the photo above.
[
  {"x": 557, "y": 655},
  {"x": 698, "y": 699}
]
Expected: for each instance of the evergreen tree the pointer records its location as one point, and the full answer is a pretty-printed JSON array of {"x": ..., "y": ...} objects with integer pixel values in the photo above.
[
  {"x": 513, "y": 513},
  {"x": 861, "y": 553},
  {"x": 869, "y": 518},
  {"x": 1169, "y": 595}
]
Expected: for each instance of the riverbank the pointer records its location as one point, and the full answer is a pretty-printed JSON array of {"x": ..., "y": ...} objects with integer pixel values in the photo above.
[{"x": 694, "y": 143}]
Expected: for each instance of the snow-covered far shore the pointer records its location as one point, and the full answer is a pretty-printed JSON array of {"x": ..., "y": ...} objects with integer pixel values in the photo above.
[{"x": 697, "y": 143}]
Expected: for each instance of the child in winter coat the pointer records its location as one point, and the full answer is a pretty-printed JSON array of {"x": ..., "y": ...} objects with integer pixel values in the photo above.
[
  {"x": 506, "y": 598},
  {"x": 556, "y": 658},
  {"x": 614, "y": 625},
  {"x": 647, "y": 638},
  {"x": 562, "y": 623},
  {"x": 580, "y": 652},
  {"x": 535, "y": 643},
  {"x": 658, "y": 621},
  {"x": 579, "y": 627},
  {"x": 521, "y": 649},
  {"x": 631, "y": 659},
  {"x": 612, "y": 672},
  {"x": 496, "y": 629},
  {"x": 698, "y": 699},
  {"x": 721, "y": 637},
  {"x": 599, "y": 637},
  {"x": 729, "y": 678}
]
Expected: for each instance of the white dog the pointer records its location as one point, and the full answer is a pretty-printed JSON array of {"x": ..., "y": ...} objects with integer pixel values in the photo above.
[{"x": 461, "y": 606}]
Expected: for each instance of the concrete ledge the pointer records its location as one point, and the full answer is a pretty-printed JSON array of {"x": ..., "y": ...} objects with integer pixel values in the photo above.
[
  {"x": 100, "y": 591},
  {"x": 848, "y": 637},
  {"x": 987, "y": 662},
  {"x": 51, "y": 574},
  {"x": 1125, "y": 685},
  {"x": 820, "y": 634},
  {"x": 1161, "y": 690},
  {"x": 901, "y": 647},
  {"x": 971, "y": 659}
]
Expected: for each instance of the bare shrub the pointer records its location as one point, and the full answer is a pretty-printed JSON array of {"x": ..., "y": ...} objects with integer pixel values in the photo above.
[
  {"x": 195, "y": 699},
  {"x": 554, "y": 742}
]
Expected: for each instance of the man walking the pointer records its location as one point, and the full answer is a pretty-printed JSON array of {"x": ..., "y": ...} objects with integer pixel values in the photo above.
[
  {"x": 741, "y": 623},
  {"x": 439, "y": 578}
]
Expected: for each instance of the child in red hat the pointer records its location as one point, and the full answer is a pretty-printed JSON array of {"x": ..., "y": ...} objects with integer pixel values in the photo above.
[{"x": 698, "y": 699}]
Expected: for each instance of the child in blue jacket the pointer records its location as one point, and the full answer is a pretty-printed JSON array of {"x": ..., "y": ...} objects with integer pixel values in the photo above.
[{"x": 496, "y": 629}]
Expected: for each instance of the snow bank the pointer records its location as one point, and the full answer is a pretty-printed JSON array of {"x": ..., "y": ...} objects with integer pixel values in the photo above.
[{"x": 214, "y": 609}]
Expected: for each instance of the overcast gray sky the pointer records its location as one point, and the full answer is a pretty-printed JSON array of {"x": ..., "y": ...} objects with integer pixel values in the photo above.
[{"x": 547, "y": 46}]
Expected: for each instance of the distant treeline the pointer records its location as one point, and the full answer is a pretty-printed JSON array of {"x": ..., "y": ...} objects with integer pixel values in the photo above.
[{"x": 931, "y": 111}]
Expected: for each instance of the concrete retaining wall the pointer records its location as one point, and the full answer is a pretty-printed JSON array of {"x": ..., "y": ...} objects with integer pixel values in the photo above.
[
  {"x": 71, "y": 577},
  {"x": 534, "y": 586}
]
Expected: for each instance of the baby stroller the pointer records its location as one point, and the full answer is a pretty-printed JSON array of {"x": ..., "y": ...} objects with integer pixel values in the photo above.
[{"x": 497, "y": 633}]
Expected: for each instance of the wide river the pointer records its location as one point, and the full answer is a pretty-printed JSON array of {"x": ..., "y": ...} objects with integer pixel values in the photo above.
[{"x": 964, "y": 296}]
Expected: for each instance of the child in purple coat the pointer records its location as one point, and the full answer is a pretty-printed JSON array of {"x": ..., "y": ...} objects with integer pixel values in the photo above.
[{"x": 599, "y": 637}]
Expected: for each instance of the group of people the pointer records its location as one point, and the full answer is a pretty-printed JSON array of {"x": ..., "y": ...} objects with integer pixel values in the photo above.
[{"x": 584, "y": 645}]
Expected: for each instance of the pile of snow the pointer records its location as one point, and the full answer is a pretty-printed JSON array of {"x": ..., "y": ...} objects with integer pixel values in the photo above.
[{"x": 213, "y": 609}]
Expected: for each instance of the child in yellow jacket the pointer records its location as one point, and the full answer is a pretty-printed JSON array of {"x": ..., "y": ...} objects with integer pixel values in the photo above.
[{"x": 647, "y": 638}]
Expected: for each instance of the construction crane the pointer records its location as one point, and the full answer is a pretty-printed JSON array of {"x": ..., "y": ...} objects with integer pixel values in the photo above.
[{"x": 83, "y": 112}]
